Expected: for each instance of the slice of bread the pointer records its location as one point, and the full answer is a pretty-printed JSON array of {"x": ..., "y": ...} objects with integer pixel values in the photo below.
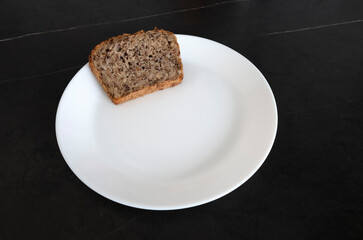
[{"x": 132, "y": 65}]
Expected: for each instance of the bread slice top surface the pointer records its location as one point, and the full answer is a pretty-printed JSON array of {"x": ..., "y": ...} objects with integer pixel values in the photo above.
[{"x": 131, "y": 62}]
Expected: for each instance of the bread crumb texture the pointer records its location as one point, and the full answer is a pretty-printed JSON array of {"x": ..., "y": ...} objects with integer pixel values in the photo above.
[{"x": 131, "y": 62}]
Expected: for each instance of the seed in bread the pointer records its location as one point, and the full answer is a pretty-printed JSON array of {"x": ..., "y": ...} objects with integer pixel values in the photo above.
[{"x": 132, "y": 65}]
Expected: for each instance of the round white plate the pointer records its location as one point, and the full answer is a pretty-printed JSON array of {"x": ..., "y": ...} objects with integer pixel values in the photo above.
[{"x": 176, "y": 148}]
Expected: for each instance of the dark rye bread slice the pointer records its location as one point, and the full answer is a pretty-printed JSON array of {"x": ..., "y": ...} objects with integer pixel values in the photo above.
[{"x": 132, "y": 65}]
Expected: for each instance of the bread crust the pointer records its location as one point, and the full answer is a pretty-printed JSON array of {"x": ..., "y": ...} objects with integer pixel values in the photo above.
[{"x": 145, "y": 90}]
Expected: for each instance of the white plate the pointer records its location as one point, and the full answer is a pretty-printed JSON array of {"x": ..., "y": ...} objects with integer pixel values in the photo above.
[{"x": 176, "y": 148}]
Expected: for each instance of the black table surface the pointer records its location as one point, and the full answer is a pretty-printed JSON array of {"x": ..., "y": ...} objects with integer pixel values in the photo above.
[{"x": 310, "y": 186}]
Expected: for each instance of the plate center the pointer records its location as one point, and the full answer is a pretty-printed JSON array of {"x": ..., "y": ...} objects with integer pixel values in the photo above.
[{"x": 169, "y": 133}]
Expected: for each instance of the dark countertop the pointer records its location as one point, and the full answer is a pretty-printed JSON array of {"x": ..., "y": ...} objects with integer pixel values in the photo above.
[{"x": 310, "y": 186}]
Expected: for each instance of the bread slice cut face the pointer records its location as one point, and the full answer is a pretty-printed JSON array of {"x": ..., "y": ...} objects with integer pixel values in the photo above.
[{"x": 132, "y": 65}]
